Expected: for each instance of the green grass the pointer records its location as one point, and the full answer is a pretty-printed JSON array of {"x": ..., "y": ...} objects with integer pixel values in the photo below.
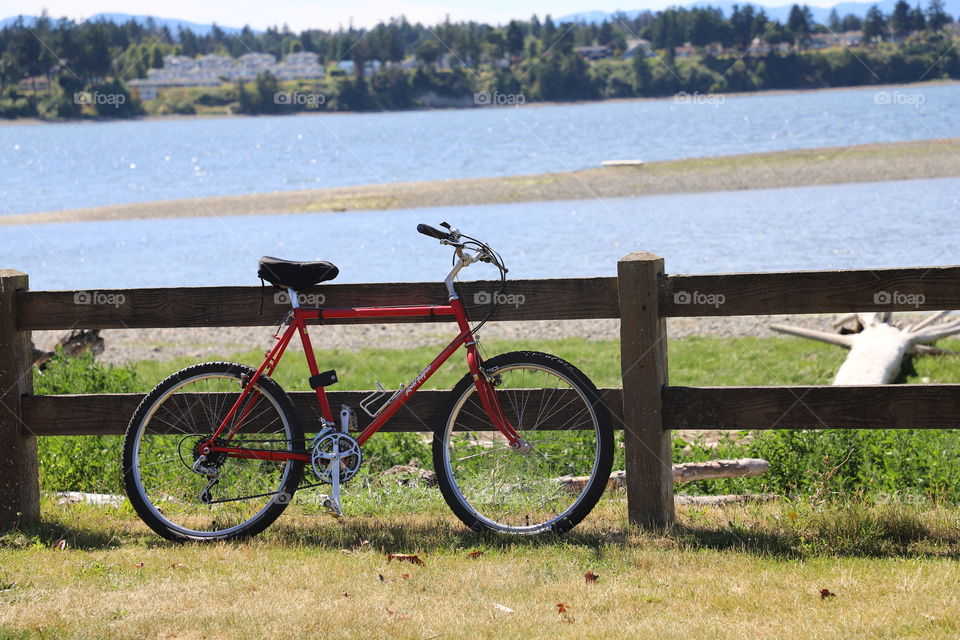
[
  {"x": 697, "y": 361},
  {"x": 693, "y": 361}
]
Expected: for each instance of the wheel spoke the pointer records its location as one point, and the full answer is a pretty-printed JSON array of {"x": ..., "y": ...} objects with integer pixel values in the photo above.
[{"x": 517, "y": 490}]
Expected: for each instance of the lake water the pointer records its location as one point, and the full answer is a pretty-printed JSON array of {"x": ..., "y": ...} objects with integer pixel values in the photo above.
[
  {"x": 907, "y": 223},
  {"x": 46, "y": 167}
]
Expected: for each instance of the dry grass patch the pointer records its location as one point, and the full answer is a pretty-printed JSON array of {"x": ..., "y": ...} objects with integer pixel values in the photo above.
[{"x": 724, "y": 573}]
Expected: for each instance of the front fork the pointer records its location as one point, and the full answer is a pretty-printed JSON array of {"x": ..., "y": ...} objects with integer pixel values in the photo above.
[{"x": 485, "y": 381}]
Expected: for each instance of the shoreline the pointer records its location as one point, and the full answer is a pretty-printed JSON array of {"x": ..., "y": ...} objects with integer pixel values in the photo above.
[
  {"x": 545, "y": 103},
  {"x": 879, "y": 162}
]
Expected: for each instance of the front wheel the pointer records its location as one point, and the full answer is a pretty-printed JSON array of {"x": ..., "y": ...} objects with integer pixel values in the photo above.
[{"x": 558, "y": 412}]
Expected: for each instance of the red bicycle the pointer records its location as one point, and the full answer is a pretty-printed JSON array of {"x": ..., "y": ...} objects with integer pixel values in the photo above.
[{"x": 216, "y": 451}]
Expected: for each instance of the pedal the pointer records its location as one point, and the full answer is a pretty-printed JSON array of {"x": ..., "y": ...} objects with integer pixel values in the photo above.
[{"x": 331, "y": 506}]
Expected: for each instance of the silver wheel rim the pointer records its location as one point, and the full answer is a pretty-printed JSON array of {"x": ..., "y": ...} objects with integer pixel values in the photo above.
[{"x": 448, "y": 462}]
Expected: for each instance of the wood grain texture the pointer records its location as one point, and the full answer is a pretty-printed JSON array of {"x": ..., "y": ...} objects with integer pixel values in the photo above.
[
  {"x": 559, "y": 299},
  {"x": 914, "y": 406},
  {"x": 19, "y": 471},
  {"x": 838, "y": 291},
  {"x": 643, "y": 357}
]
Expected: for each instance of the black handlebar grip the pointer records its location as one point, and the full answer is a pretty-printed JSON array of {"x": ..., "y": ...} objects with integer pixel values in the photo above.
[{"x": 427, "y": 230}]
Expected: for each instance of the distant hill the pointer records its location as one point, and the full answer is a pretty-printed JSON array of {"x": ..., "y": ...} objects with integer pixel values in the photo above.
[
  {"x": 119, "y": 18},
  {"x": 820, "y": 14}
]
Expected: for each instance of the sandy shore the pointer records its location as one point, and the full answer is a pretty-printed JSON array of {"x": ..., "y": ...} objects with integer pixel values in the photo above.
[
  {"x": 833, "y": 165},
  {"x": 129, "y": 345}
]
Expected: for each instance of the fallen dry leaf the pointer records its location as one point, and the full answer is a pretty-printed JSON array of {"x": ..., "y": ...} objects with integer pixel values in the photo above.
[
  {"x": 590, "y": 576},
  {"x": 826, "y": 593},
  {"x": 346, "y": 594},
  {"x": 561, "y": 608},
  {"x": 405, "y": 576},
  {"x": 475, "y": 554},
  {"x": 139, "y": 565},
  {"x": 406, "y": 557},
  {"x": 398, "y": 616}
]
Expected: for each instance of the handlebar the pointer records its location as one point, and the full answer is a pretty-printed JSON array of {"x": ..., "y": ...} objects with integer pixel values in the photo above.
[
  {"x": 427, "y": 230},
  {"x": 469, "y": 250}
]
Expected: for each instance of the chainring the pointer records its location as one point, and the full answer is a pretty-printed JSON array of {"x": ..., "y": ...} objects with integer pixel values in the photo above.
[{"x": 321, "y": 454}]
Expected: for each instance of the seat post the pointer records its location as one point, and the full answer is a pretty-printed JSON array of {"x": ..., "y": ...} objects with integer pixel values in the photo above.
[{"x": 294, "y": 298}]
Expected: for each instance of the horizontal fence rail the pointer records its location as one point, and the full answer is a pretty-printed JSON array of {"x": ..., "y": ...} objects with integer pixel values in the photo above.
[
  {"x": 642, "y": 296},
  {"x": 842, "y": 291},
  {"x": 915, "y": 406},
  {"x": 556, "y": 299},
  {"x": 109, "y": 413}
]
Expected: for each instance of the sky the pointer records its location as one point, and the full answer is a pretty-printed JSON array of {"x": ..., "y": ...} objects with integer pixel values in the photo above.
[{"x": 323, "y": 14}]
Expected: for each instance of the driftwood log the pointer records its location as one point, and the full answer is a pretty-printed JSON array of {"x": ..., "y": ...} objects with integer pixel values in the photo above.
[
  {"x": 73, "y": 344},
  {"x": 878, "y": 346},
  {"x": 685, "y": 472}
]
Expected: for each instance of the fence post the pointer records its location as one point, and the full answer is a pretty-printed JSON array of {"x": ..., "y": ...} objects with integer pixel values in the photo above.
[
  {"x": 643, "y": 365},
  {"x": 19, "y": 473}
]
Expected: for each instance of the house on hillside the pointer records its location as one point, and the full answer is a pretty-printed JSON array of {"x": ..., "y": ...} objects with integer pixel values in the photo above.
[
  {"x": 595, "y": 52},
  {"x": 761, "y": 47},
  {"x": 686, "y": 51},
  {"x": 34, "y": 85},
  {"x": 638, "y": 47}
]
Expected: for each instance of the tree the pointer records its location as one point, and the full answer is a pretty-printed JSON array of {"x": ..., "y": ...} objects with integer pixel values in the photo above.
[
  {"x": 549, "y": 32},
  {"x": 917, "y": 20},
  {"x": 900, "y": 22},
  {"x": 243, "y": 97},
  {"x": 266, "y": 98},
  {"x": 937, "y": 17},
  {"x": 800, "y": 24},
  {"x": 514, "y": 38},
  {"x": 741, "y": 26},
  {"x": 641, "y": 75},
  {"x": 833, "y": 22},
  {"x": 852, "y": 22},
  {"x": 874, "y": 24},
  {"x": 428, "y": 51}
]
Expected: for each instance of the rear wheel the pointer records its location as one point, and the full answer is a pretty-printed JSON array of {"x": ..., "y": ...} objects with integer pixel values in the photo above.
[
  {"x": 163, "y": 445},
  {"x": 557, "y": 411}
]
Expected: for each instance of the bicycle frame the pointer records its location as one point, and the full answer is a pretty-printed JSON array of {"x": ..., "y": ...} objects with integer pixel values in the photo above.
[{"x": 296, "y": 322}]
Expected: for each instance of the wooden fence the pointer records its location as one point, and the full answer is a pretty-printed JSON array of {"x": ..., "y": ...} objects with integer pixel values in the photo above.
[{"x": 645, "y": 407}]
